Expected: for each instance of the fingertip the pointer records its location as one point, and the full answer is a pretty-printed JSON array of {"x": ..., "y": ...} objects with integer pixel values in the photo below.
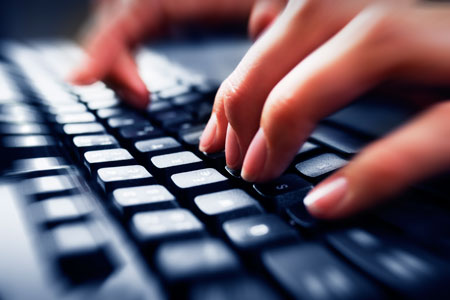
[{"x": 81, "y": 76}]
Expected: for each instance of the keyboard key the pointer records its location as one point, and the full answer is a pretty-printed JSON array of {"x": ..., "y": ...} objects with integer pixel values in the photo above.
[
  {"x": 174, "y": 91},
  {"x": 24, "y": 129},
  {"x": 83, "y": 117},
  {"x": 307, "y": 148},
  {"x": 84, "y": 143},
  {"x": 60, "y": 210},
  {"x": 81, "y": 252},
  {"x": 157, "y": 146},
  {"x": 67, "y": 109},
  {"x": 30, "y": 146},
  {"x": 103, "y": 104},
  {"x": 238, "y": 287},
  {"x": 256, "y": 232},
  {"x": 170, "y": 224},
  {"x": 121, "y": 122},
  {"x": 125, "y": 176},
  {"x": 320, "y": 165},
  {"x": 49, "y": 186},
  {"x": 300, "y": 215},
  {"x": 185, "y": 99},
  {"x": 40, "y": 165},
  {"x": 197, "y": 182},
  {"x": 168, "y": 164},
  {"x": 106, "y": 113},
  {"x": 156, "y": 107},
  {"x": 395, "y": 262},
  {"x": 139, "y": 132},
  {"x": 143, "y": 198},
  {"x": 230, "y": 204},
  {"x": 172, "y": 117},
  {"x": 309, "y": 271},
  {"x": 216, "y": 159},
  {"x": 191, "y": 136},
  {"x": 94, "y": 160},
  {"x": 283, "y": 192},
  {"x": 338, "y": 139},
  {"x": 191, "y": 260},
  {"x": 84, "y": 128}
]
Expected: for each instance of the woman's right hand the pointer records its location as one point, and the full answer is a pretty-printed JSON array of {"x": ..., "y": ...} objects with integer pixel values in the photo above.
[{"x": 118, "y": 26}]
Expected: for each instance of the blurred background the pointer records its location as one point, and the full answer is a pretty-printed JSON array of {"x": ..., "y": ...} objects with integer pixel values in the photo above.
[{"x": 41, "y": 18}]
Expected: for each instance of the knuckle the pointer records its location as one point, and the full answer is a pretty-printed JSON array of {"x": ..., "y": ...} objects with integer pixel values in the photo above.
[
  {"x": 382, "y": 25},
  {"x": 230, "y": 95},
  {"x": 299, "y": 11}
]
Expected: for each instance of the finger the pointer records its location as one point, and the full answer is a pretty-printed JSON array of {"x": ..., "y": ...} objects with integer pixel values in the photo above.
[
  {"x": 240, "y": 98},
  {"x": 115, "y": 35},
  {"x": 412, "y": 153},
  {"x": 263, "y": 14},
  {"x": 128, "y": 83},
  {"x": 380, "y": 40}
]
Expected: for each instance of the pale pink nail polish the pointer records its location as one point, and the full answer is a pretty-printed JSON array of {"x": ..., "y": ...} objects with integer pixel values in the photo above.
[
  {"x": 255, "y": 158},
  {"x": 327, "y": 196},
  {"x": 232, "y": 150},
  {"x": 209, "y": 134}
]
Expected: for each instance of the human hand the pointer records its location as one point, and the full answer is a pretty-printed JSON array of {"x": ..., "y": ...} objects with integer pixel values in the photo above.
[
  {"x": 119, "y": 26},
  {"x": 316, "y": 58}
]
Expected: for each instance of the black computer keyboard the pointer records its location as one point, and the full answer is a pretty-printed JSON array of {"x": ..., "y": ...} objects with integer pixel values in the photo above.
[{"x": 111, "y": 192}]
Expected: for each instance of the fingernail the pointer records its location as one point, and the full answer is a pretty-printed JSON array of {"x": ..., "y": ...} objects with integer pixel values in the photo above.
[
  {"x": 209, "y": 134},
  {"x": 326, "y": 197},
  {"x": 255, "y": 158},
  {"x": 232, "y": 150}
]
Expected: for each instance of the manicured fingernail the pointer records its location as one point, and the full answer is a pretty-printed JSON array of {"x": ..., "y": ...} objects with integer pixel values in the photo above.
[
  {"x": 209, "y": 134},
  {"x": 255, "y": 158},
  {"x": 326, "y": 197},
  {"x": 232, "y": 150}
]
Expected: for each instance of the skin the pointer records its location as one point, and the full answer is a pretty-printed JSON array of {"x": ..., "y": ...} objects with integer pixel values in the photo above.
[{"x": 316, "y": 57}]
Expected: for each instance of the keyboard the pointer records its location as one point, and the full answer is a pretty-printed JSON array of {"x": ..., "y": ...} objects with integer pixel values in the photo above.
[{"x": 101, "y": 201}]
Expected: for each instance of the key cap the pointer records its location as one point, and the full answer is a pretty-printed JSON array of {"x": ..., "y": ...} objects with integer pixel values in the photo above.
[
  {"x": 139, "y": 132},
  {"x": 151, "y": 228},
  {"x": 84, "y": 128},
  {"x": 160, "y": 106},
  {"x": 283, "y": 192},
  {"x": 157, "y": 146},
  {"x": 191, "y": 260},
  {"x": 107, "y": 103},
  {"x": 94, "y": 160},
  {"x": 40, "y": 166},
  {"x": 338, "y": 139},
  {"x": 191, "y": 136},
  {"x": 174, "y": 91},
  {"x": 255, "y": 232},
  {"x": 66, "y": 109},
  {"x": 238, "y": 287},
  {"x": 50, "y": 186},
  {"x": 30, "y": 146},
  {"x": 125, "y": 176},
  {"x": 216, "y": 159},
  {"x": 106, "y": 113},
  {"x": 226, "y": 205},
  {"x": 84, "y": 117},
  {"x": 306, "y": 148},
  {"x": 321, "y": 165},
  {"x": 201, "y": 111},
  {"x": 58, "y": 210},
  {"x": 300, "y": 215},
  {"x": 168, "y": 164},
  {"x": 395, "y": 262},
  {"x": 81, "y": 252},
  {"x": 172, "y": 117},
  {"x": 84, "y": 143},
  {"x": 24, "y": 129},
  {"x": 309, "y": 271},
  {"x": 121, "y": 122},
  {"x": 198, "y": 182},
  {"x": 143, "y": 198},
  {"x": 185, "y": 99}
]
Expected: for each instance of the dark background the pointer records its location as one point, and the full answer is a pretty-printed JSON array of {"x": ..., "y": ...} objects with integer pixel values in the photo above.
[{"x": 41, "y": 18}]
